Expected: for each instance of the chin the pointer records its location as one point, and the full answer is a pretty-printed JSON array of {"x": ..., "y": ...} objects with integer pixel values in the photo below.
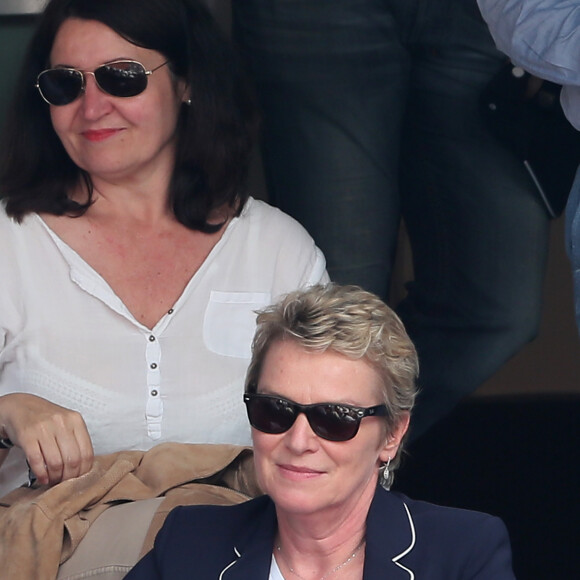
[{"x": 300, "y": 502}]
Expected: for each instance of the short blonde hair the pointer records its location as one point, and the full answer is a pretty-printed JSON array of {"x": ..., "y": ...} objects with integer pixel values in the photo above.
[{"x": 352, "y": 322}]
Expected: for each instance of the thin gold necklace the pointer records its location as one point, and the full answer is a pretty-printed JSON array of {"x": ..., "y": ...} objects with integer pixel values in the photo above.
[{"x": 336, "y": 569}]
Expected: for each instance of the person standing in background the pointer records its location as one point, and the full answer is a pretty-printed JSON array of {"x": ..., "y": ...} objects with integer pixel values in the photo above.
[
  {"x": 543, "y": 37},
  {"x": 371, "y": 114}
]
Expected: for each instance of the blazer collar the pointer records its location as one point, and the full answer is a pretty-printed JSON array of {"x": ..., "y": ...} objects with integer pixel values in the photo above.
[{"x": 390, "y": 537}]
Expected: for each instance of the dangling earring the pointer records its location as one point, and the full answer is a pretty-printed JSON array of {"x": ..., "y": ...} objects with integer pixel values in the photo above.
[{"x": 385, "y": 476}]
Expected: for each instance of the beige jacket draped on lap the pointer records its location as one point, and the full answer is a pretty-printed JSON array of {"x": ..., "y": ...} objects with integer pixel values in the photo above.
[{"x": 40, "y": 527}]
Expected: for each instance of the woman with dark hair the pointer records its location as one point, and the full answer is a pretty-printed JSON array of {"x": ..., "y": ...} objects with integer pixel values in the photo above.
[{"x": 133, "y": 258}]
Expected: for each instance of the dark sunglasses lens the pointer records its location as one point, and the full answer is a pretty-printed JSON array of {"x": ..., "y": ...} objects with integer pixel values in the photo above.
[
  {"x": 270, "y": 415},
  {"x": 122, "y": 79},
  {"x": 333, "y": 422},
  {"x": 60, "y": 86}
]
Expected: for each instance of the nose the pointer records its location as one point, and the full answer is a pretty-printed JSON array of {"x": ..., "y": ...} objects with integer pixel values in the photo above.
[
  {"x": 95, "y": 103},
  {"x": 300, "y": 438}
]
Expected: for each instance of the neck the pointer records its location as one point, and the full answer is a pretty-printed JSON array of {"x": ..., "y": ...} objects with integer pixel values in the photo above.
[
  {"x": 323, "y": 566},
  {"x": 313, "y": 551},
  {"x": 313, "y": 543}
]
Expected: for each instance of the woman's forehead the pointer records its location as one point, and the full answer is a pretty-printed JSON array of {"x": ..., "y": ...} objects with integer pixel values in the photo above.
[{"x": 89, "y": 43}]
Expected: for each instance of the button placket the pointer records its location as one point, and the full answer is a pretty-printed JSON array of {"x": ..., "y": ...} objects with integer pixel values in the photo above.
[{"x": 154, "y": 410}]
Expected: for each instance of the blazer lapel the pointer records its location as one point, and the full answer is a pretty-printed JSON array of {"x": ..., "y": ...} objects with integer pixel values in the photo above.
[
  {"x": 252, "y": 554},
  {"x": 390, "y": 537}
]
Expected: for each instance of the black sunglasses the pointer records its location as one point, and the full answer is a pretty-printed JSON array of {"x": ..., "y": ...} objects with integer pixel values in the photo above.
[
  {"x": 121, "y": 78},
  {"x": 332, "y": 421}
]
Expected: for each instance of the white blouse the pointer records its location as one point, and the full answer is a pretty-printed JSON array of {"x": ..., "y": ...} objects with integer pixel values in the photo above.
[
  {"x": 275, "y": 573},
  {"x": 65, "y": 335}
]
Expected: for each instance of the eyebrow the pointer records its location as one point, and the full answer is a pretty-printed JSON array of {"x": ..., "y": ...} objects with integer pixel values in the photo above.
[{"x": 116, "y": 59}]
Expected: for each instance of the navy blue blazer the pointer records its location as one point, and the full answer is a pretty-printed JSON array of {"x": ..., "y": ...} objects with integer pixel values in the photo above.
[{"x": 405, "y": 540}]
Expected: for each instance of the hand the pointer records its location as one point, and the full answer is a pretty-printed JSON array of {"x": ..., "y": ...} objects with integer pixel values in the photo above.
[
  {"x": 533, "y": 87},
  {"x": 55, "y": 440}
]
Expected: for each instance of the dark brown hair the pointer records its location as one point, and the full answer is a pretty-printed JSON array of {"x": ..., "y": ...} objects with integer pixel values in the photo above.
[{"x": 215, "y": 134}]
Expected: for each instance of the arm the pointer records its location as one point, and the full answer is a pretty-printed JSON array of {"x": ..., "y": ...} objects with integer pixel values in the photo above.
[{"x": 542, "y": 36}]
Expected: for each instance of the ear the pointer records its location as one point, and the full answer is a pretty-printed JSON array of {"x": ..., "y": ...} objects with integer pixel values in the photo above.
[
  {"x": 393, "y": 442},
  {"x": 183, "y": 91}
]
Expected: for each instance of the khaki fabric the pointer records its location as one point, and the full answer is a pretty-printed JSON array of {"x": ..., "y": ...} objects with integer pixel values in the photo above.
[
  {"x": 40, "y": 527},
  {"x": 113, "y": 543}
]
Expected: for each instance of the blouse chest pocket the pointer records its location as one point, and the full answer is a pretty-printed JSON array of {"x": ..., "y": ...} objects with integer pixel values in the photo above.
[{"x": 230, "y": 321}]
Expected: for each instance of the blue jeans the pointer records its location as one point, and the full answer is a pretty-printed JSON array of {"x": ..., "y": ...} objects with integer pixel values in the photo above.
[
  {"x": 371, "y": 114},
  {"x": 573, "y": 240}
]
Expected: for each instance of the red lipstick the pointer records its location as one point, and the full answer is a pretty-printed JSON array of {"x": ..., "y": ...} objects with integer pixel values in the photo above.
[{"x": 99, "y": 134}]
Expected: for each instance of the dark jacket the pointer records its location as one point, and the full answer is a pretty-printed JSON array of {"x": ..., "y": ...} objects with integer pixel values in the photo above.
[{"x": 405, "y": 540}]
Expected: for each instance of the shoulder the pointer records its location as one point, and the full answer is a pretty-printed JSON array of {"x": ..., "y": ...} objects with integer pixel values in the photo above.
[
  {"x": 210, "y": 524},
  {"x": 433, "y": 518},
  {"x": 7, "y": 224},
  {"x": 270, "y": 219},
  {"x": 266, "y": 242},
  {"x": 462, "y": 543},
  {"x": 448, "y": 543},
  {"x": 205, "y": 538},
  {"x": 10, "y": 229},
  {"x": 461, "y": 520},
  {"x": 19, "y": 241},
  {"x": 217, "y": 515}
]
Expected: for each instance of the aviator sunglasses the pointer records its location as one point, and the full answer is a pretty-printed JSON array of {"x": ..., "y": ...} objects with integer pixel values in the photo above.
[
  {"x": 121, "y": 78},
  {"x": 332, "y": 421}
]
